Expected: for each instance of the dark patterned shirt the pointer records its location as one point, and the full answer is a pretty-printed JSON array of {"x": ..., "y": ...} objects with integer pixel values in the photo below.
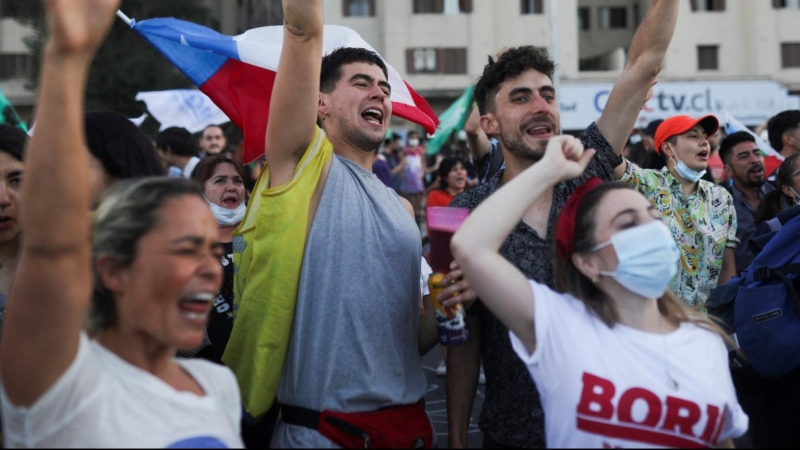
[{"x": 512, "y": 413}]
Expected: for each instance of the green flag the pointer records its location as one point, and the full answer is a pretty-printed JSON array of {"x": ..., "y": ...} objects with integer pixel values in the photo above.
[
  {"x": 7, "y": 114},
  {"x": 452, "y": 120}
]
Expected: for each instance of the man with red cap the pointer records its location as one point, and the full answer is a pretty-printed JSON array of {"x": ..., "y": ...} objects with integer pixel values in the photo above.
[{"x": 699, "y": 214}]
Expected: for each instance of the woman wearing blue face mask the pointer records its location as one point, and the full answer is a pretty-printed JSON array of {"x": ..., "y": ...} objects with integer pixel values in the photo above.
[
  {"x": 223, "y": 187},
  {"x": 617, "y": 359}
]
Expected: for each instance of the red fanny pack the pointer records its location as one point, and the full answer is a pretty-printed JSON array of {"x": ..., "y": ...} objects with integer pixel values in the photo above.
[{"x": 404, "y": 426}]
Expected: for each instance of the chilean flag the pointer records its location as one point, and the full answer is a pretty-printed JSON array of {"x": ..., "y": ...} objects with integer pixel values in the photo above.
[{"x": 238, "y": 72}]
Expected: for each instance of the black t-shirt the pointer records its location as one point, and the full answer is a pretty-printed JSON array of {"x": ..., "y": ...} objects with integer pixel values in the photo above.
[
  {"x": 512, "y": 413},
  {"x": 220, "y": 320}
]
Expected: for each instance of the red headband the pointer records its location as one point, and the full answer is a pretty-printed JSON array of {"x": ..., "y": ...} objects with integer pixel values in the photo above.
[{"x": 565, "y": 234}]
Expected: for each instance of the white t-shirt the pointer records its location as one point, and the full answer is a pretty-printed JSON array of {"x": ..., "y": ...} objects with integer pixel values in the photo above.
[
  {"x": 610, "y": 387},
  {"x": 425, "y": 273},
  {"x": 103, "y": 401}
]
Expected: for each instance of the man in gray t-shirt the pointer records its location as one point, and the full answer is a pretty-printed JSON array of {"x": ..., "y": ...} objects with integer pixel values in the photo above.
[{"x": 355, "y": 340}]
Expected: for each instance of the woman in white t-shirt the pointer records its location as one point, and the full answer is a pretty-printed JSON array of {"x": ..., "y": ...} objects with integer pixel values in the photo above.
[
  {"x": 155, "y": 254},
  {"x": 617, "y": 360}
]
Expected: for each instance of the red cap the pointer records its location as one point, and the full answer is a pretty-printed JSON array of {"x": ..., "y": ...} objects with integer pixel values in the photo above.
[
  {"x": 681, "y": 124},
  {"x": 565, "y": 234}
]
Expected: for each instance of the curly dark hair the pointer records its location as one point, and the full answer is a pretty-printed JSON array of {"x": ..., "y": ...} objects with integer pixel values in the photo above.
[
  {"x": 782, "y": 123},
  {"x": 332, "y": 65},
  {"x": 510, "y": 64}
]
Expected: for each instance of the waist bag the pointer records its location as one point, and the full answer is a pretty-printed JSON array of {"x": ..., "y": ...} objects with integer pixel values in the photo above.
[
  {"x": 404, "y": 426},
  {"x": 761, "y": 306}
]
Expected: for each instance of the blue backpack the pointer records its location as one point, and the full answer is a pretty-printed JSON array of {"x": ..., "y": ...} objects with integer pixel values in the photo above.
[{"x": 761, "y": 306}]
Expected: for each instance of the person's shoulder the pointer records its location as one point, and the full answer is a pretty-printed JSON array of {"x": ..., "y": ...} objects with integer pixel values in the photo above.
[
  {"x": 209, "y": 373},
  {"x": 701, "y": 332},
  {"x": 471, "y": 198},
  {"x": 592, "y": 137},
  {"x": 716, "y": 192}
]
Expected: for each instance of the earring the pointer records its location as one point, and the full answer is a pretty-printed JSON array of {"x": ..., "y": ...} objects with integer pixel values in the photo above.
[
  {"x": 324, "y": 115},
  {"x": 595, "y": 279}
]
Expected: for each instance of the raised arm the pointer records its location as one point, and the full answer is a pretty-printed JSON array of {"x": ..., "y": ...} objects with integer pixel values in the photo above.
[
  {"x": 645, "y": 56},
  {"x": 500, "y": 285},
  {"x": 295, "y": 95},
  {"x": 477, "y": 141},
  {"x": 50, "y": 296}
]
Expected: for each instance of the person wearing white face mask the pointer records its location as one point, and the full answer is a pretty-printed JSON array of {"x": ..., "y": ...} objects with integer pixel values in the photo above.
[
  {"x": 617, "y": 359},
  {"x": 700, "y": 215},
  {"x": 223, "y": 188}
]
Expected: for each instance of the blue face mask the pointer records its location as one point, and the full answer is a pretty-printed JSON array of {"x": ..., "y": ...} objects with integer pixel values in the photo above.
[
  {"x": 648, "y": 259},
  {"x": 686, "y": 172}
]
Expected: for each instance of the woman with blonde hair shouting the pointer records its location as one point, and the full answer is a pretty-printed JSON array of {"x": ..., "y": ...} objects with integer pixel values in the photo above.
[{"x": 155, "y": 254}]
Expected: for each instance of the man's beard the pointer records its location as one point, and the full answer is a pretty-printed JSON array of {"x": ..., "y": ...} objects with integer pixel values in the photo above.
[
  {"x": 755, "y": 183},
  {"x": 358, "y": 137},
  {"x": 517, "y": 146}
]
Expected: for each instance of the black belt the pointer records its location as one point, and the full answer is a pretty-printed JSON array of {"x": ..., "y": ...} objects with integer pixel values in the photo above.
[{"x": 296, "y": 415}]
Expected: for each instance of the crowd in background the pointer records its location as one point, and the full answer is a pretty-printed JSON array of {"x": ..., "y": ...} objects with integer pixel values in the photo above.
[{"x": 286, "y": 302}]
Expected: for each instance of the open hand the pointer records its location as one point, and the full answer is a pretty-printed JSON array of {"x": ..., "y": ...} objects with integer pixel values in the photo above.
[
  {"x": 78, "y": 27},
  {"x": 566, "y": 157}
]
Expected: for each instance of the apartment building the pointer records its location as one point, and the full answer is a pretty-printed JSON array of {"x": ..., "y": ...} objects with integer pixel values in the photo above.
[
  {"x": 721, "y": 48},
  {"x": 15, "y": 61}
]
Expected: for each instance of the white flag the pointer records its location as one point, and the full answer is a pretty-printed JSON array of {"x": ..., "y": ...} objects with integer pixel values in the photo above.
[{"x": 185, "y": 108}]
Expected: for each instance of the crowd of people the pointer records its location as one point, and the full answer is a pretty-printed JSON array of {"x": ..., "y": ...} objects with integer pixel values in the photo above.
[{"x": 286, "y": 304}]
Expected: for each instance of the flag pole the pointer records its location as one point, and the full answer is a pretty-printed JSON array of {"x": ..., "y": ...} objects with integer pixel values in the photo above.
[{"x": 122, "y": 16}]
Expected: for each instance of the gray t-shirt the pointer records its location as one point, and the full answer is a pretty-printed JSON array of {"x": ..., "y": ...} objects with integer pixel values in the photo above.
[{"x": 354, "y": 338}]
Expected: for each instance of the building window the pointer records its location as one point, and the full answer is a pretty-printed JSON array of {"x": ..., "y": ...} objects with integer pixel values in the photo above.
[
  {"x": 532, "y": 6},
  {"x": 708, "y": 5},
  {"x": 788, "y": 4},
  {"x": 790, "y": 55},
  {"x": 583, "y": 19},
  {"x": 436, "y": 60},
  {"x": 358, "y": 8},
  {"x": 707, "y": 57},
  {"x": 613, "y": 17},
  {"x": 14, "y": 66},
  {"x": 442, "y": 6}
]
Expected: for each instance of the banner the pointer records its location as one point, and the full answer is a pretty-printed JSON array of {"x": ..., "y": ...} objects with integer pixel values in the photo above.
[
  {"x": 752, "y": 102},
  {"x": 8, "y": 116},
  {"x": 185, "y": 108},
  {"x": 452, "y": 120}
]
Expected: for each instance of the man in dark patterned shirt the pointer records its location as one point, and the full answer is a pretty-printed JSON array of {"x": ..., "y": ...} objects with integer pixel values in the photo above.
[{"x": 517, "y": 103}]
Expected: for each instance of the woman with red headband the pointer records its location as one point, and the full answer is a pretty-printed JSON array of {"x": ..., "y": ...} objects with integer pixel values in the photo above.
[{"x": 617, "y": 359}]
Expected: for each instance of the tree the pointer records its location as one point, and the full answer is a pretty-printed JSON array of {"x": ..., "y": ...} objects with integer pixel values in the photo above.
[{"x": 126, "y": 64}]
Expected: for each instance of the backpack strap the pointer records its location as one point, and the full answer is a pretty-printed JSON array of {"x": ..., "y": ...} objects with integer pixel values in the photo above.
[{"x": 763, "y": 273}]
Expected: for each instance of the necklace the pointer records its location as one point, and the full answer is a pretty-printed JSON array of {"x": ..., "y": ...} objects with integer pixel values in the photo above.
[{"x": 670, "y": 379}]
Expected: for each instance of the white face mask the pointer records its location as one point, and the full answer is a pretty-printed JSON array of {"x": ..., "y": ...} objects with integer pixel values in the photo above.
[
  {"x": 686, "y": 172},
  {"x": 413, "y": 142},
  {"x": 648, "y": 259},
  {"x": 228, "y": 217},
  {"x": 796, "y": 200}
]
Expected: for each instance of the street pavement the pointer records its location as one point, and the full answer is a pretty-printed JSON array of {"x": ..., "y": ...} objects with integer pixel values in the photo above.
[{"x": 436, "y": 404}]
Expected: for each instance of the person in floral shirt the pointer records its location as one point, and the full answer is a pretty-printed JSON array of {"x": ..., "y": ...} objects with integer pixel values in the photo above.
[{"x": 700, "y": 215}]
